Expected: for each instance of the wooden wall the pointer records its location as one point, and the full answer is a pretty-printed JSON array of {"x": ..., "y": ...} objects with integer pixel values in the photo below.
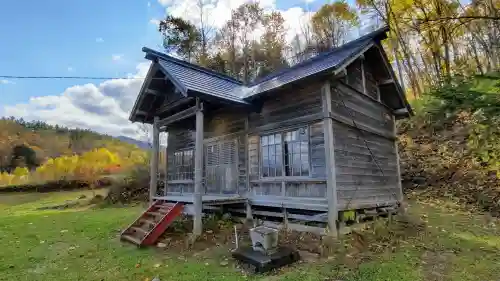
[
  {"x": 355, "y": 80},
  {"x": 218, "y": 126},
  {"x": 288, "y": 110},
  {"x": 365, "y": 158},
  {"x": 364, "y": 143}
]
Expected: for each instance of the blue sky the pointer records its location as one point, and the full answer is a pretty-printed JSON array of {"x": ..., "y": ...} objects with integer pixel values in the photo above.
[
  {"x": 56, "y": 37},
  {"x": 98, "y": 38}
]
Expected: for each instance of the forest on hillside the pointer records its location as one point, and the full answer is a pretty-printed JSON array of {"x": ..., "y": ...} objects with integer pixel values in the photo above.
[{"x": 36, "y": 152}]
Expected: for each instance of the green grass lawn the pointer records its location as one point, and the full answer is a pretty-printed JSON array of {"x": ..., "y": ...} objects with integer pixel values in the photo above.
[{"x": 83, "y": 244}]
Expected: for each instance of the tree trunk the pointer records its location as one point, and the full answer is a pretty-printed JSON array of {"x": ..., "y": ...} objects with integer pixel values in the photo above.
[{"x": 476, "y": 57}]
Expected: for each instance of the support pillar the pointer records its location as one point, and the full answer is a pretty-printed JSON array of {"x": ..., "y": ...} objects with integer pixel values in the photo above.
[
  {"x": 165, "y": 167},
  {"x": 400, "y": 195},
  {"x": 363, "y": 76},
  {"x": 153, "y": 176},
  {"x": 331, "y": 184},
  {"x": 198, "y": 171}
]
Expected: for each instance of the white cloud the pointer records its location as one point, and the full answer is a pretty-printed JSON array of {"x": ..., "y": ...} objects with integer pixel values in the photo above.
[
  {"x": 99, "y": 40},
  {"x": 70, "y": 69},
  {"x": 116, "y": 57},
  {"x": 154, "y": 22},
  {"x": 217, "y": 12},
  {"x": 5, "y": 81},
  {"x": 103, "y": 107},
  {"x": 149, "y": 4}
]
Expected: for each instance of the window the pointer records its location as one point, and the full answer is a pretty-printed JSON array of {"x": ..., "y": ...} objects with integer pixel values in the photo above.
[
  {"x": 285, "y": 154},
  {"x": 296, "y": 150},
  {"x": 271, "y": 151},
  {"x": 183, "y": 165},
  {"x": 221, "y": 167}
]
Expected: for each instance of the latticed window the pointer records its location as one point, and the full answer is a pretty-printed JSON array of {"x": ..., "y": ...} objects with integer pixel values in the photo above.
[
  {"x": 285, "y": 154},
  {"x": 296, "y": 151},
  {"x": 272, "y": 157},
  {"x": 221, "y": 167},
  {"x": 184, "y": 165}
]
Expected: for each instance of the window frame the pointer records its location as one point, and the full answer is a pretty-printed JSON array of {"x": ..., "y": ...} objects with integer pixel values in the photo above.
[
  {"x": 187, "y": 174},
  {"x": 282, "y": 134}
]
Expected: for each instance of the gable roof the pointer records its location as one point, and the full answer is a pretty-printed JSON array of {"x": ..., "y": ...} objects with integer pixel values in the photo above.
[
  {"x": 191, "y": 79},
  {"x": 326, "y": 61}
]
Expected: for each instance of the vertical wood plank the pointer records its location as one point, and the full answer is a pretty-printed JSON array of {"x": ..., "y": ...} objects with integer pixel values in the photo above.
[
  {"x": 198, "y": 171},
  {"x": 331, "y": 185},
  {"x": 165, "y": 168},
  {"x": 363, "y": 76},
  {"x": 398, "y": 167},
  {"x": 153, "y": 176}
]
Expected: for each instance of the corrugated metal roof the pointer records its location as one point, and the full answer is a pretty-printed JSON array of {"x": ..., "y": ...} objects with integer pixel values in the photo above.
[{"x": 206, "y": 81}]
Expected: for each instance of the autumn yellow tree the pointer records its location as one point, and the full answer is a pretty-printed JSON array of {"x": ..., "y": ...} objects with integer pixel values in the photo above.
[{"x": 332, "y": 22}]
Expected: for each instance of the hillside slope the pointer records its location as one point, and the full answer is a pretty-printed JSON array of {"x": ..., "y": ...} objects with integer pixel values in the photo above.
[
  {"x": 49, "y": 141},
  {"x": 451, "y": 147}
]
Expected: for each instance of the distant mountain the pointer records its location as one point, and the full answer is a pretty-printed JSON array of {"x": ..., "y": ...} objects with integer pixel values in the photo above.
[{"x": 140, "y": 144}]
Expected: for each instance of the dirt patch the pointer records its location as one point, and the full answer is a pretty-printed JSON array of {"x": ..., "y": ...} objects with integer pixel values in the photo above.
[
  {"x": 348, "y": 251},
  {"x": 436, "y": 265},
  {"x": 218, "y": 239},
  {"x": 81, "y": 201}
]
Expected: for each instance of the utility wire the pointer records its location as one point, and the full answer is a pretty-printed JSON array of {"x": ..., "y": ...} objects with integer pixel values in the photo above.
[{"x": 71, "y": 77}]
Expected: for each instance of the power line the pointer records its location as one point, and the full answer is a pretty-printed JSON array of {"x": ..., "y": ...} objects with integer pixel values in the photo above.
[{"x": 71, "y": 77}]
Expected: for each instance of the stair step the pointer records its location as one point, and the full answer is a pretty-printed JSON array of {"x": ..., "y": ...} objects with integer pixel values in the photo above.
[
  {"x": 140, "y": 230},
  {"x": 152, "y": 223},
  {"x": 164, "y": 210},
  {"x": 146, "y": 221},
  {"x": 155, "y": 214},
  {"x": 166, "y": 205},
  {"x": 131, "y": 239}
]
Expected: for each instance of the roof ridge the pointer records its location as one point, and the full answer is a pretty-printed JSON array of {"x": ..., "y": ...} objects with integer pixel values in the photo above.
[
  {"x": 320, "y": 56},
  {"x": 164, "y": 56}
]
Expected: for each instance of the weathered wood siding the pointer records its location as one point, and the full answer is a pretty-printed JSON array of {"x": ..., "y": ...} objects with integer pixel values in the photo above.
[
  {"x": 371, "y": 82},
  {"x": 178, "y": 140},
  {"x": 364, "y": 142},
  {"x": 355, "y": 78},
  {"x": 224, "y": 122},
  {"x": 288, "y": 110},
  {"x": 365, "y": 159},
  {"x": 221, "y": 127}
]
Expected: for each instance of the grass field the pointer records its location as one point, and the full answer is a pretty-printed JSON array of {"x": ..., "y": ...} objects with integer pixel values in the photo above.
[{"x": 82, "y": 244}]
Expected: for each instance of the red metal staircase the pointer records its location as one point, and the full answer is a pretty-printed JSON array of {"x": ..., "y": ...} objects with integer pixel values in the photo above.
[{"x": 152, "y": 223}]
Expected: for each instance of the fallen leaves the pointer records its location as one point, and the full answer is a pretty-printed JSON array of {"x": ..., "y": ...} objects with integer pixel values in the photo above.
[{"x": 439, "y": 159}]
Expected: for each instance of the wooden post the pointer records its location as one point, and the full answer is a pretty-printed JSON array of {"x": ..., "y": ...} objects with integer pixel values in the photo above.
[
  {"x": 363, "y": 75},
  {"x": 165, "y": 167},
  {"x": 198, "y": 171},
  {"x": 153, "y": 171},
  {"x": 398, "y": 168},
  {"x": 331, "y": 184},
  {"x": 248, "y": 205}
]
